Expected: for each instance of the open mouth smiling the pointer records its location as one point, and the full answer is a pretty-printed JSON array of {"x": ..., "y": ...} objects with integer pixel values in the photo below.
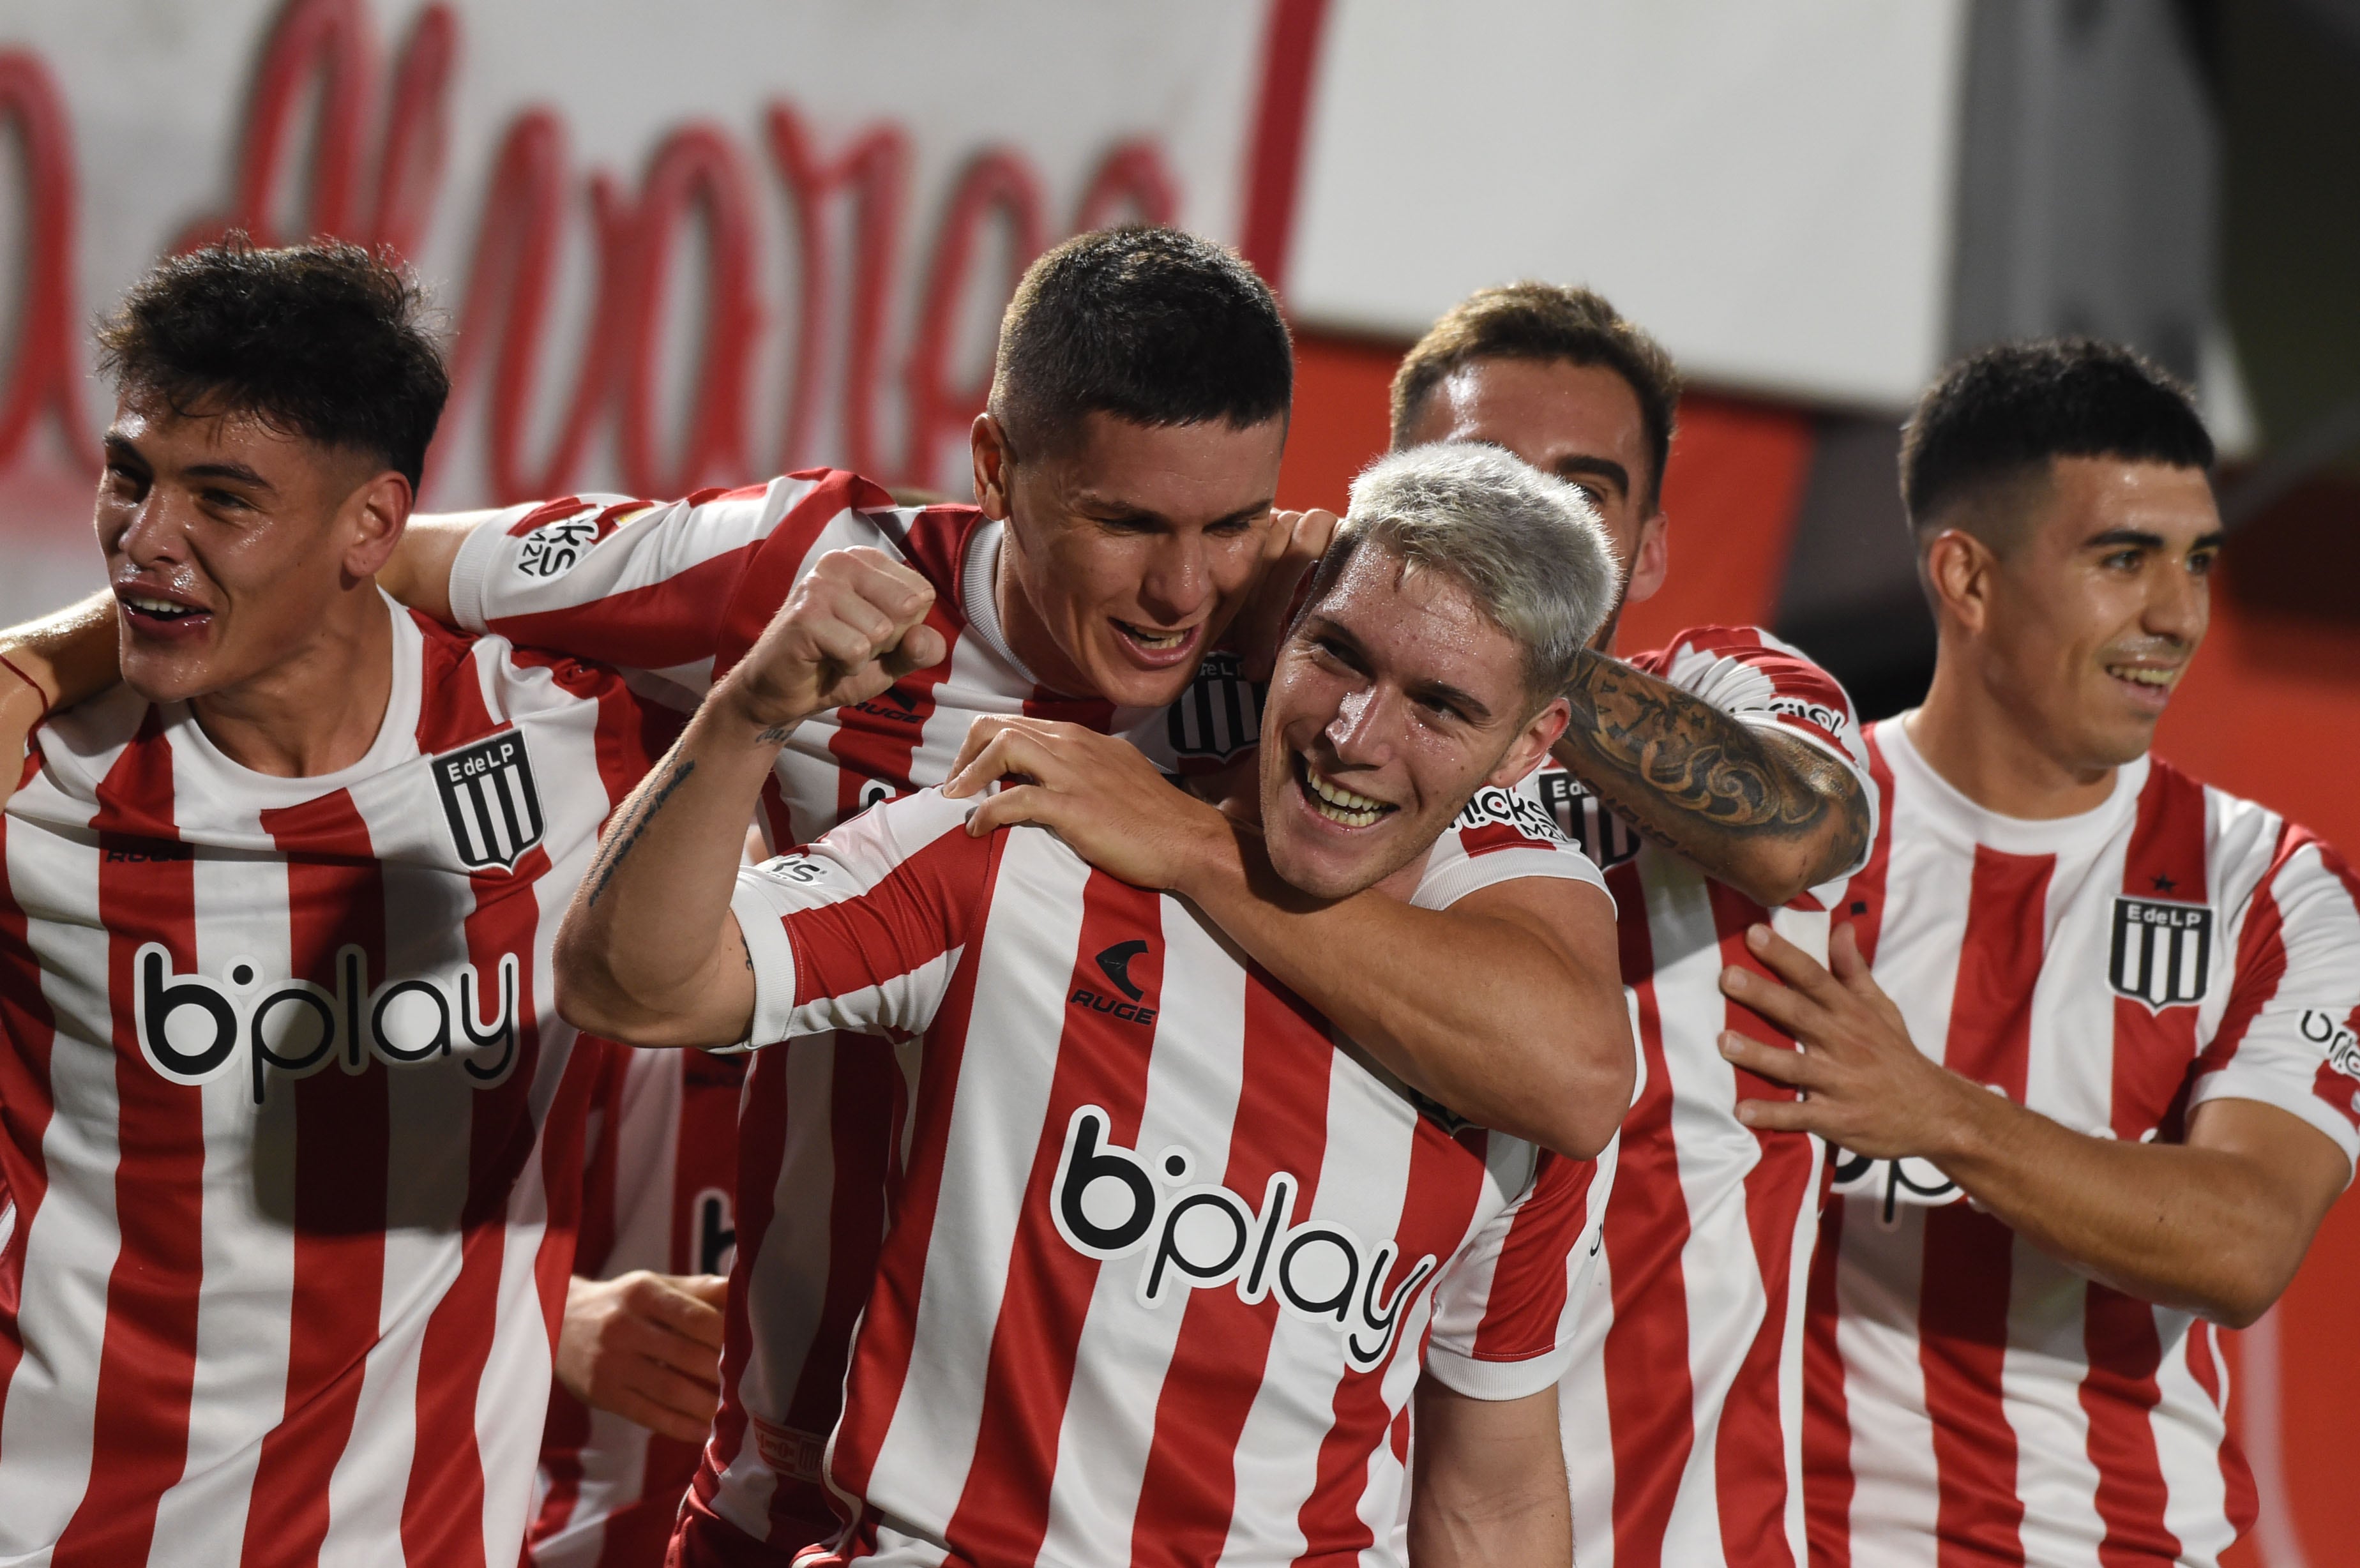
[{"x": 1335, "y": 803}]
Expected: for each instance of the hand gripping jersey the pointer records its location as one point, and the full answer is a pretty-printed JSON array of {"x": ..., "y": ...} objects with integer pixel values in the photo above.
[
  {"x": 1683, "y": 1411},
  {"x": 291, "y": 1122},
  {"x": 659, "y": 1193},
  {"x": 678, "y": 592},
  {"x": 1168, "y": 1261},
  {"x": 1972, "y": 1398}
]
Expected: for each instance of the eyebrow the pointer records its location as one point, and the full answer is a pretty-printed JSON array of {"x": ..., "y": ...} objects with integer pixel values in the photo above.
[
  {"x": 2139, "y": 538},
  {"x": 1476, "y": 710},
  {"x": 120, "y": 446},
  {"x": 1105, "y": 508},
  {"x": 1605, "y": 468}
]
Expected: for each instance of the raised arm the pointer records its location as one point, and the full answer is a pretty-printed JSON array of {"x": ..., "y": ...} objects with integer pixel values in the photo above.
[
  {"x": 62, "y": 658},
  {"x": 2215, "y": 1225},
  {"x": 1487, "y": 1482},
  {"x": 1507, "y": 1007},
  {"x": 1769, "y": 815},
  {"x": 419, "y": 575},
  {"x": 649, "y": 952}
]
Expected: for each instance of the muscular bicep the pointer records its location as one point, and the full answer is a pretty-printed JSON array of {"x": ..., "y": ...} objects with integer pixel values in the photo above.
[{"x": 1574, "y": 919}]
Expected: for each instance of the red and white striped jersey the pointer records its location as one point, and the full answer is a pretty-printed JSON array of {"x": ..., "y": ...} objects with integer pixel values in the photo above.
[
  {"x": 290, "y": 1121},
  {"x": 659, "y": 1193},
  {"x": 1166, "y": 1262},
  {"x": 1972, "y": 1397},
  {"x": 1683, "y": 1412},
  {"x": 677, "y": 591}
]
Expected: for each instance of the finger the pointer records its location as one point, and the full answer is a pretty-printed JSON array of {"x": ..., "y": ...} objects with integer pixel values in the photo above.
[
  {"x": 921, "y": 648},
  {"x": 713, "y": 1290},
  {"x": 1791, "y": 963},
  {"x": 1314, "y": 531},
  {"x": 1780, "y": 1115},
  {"x": 666, "y": 1302},
  {"x": 1790, "y": 1010},
  {"x": 1778, "y": 1063},
  {"x": 1844, "y": 959},
  {"x": 684, "y": 1415},
  {"x": 633, "y": 1339},
  {"x": 979, "y": 734},
  {"x": 980, "y": 771},
  {"x": 893, "y": 586},
  {"x": 1018, "y": 803}
]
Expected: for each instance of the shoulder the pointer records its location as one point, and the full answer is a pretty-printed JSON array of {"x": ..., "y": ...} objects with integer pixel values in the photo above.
[{"x": 1501, "y": 835}]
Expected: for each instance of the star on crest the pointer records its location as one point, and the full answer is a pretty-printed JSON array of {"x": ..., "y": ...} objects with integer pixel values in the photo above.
[{"x": 2165, "y": 885}]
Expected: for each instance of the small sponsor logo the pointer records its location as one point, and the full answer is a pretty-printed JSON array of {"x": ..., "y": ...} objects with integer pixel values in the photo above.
[
  {"x": 2161, "y": 954},
  {"x": 797, "y": 1456},
  {"x": 1123, "y": 1001},
  {"x": 2336, "y": 1038},
  {"x": 1585, "y": 819},
  {"x": 1832, "y": 720},
  {"x": 489, "y": 801},
  {"x": 1492, "y": 805},
  {"x": 1108, "y": 1202},
  {"x": 150, "y": 852},
  {"x": 558, "y": 536},
  {"x": 193, "y": 1028},
  {"x": 716, "y": 1230},
  {"x": 1220, "y": 715}
]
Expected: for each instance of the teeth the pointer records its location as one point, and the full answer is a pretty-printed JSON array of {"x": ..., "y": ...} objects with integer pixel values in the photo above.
[
  {"x": 156, "y": 606},
  {"x": 2139, "y": 676},
  {"x": 1341, "y": 805},
  {"x": 1158, "y": 640}
]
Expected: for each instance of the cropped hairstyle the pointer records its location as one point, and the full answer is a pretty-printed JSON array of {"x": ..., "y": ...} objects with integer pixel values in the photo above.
[
  {"x": 1152, "y": 325},
  {"x": 1998, "y": 416},
  {"x": 1527, "y": 546},
  {"x": 323, "y": 341},
  {"x": 1545, "y": 321}
]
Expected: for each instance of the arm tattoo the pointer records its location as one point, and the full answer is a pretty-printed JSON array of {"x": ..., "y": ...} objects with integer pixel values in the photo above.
[
  {"x": 1697, "y": 781},
  {"x": 626, "y": 833}
]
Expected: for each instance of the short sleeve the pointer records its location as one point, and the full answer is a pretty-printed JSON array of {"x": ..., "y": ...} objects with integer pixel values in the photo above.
[
  {"x": 1758, "y": 680},
  {"x": 862, "y": 930},
  {"x": 1501, "y": 835},
  {"x": 2290, "y": 1034},
  {"x": 662, "y": 587},
  {"x": 1505, "y": 1311}
]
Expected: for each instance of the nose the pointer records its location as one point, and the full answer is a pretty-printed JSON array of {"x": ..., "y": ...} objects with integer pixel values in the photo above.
[
  {"x": 152, "y": 531},
  {"x": 1361, "y": 733},
  {"x": 2179, "y": 603},
  {"x": 1178, "y": 579}
]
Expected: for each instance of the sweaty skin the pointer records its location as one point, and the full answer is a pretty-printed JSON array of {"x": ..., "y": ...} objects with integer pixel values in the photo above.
[{"x": 2057, "y": 657}]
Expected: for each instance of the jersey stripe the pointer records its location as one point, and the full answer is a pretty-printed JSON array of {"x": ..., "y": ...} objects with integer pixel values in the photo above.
[
  {"x": 147, "y": 1365},
  {"x": 26, "y": 1104}
]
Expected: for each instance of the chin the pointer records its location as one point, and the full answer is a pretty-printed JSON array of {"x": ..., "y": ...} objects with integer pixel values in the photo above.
[
  {"x": 162, "y": 678},
  {"x": 1317, "y": 874},
  {"x": 1127, "y": 686}
]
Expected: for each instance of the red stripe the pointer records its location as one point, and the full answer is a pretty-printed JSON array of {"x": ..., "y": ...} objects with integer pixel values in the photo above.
[
  {"x": 147, "y": 1362},
  {"x": 875, "y": 741},
  {"x": 27, "y": 1035},
  {"x": 779, "y": 561},
  {"x": 566, "y": 1434},
  {"x": 1188, "y": 1487},
  {"x": 1282, "y": 113},
  {"x": 1650, "y": 1392},
  {"x": 1003, "y": 1512},
  {"x": 761, "y": 1158},
  {"x": 880, "y": 1356},
  {"x": 1533, "y": 1274},
  {"x": 335, "y": 897},
  {"x": 1828, "y": 1480},
  {"x": 1446, "y": 1182},
  {"x": 2245, "y": 1503},
  {"x": 2118, "y": 1335},
  {"x": 1864, "y": 905},
  {"x": 921, "y": 909},
  {"x": 1962, "y": 1314}
]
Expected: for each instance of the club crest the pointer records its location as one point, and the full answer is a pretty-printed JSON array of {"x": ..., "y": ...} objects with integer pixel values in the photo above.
[
  {"x": 2162, "y": 951},
  {"x": 1220, "y": 715},
  {"x": 489, "y": 801}
]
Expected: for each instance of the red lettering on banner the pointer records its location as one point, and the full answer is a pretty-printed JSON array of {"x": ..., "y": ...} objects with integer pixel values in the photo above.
[
  {"x": 46, "y": 375},
  {"x": 1131, "y": 186},
  {"x": 998, "y": 183}
]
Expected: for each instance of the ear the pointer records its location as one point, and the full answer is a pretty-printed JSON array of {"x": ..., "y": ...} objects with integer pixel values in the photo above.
[
  {"x": 374, "y": 517},
  {"x": 987, "y": 446},
  {"x": 1957, "y": 568},
  {"x": 1531, "y": 744},
  {"x": 1651, "y": 562}
]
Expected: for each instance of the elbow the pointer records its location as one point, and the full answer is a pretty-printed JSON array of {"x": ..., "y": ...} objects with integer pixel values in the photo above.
[
  {"x": 1593, "y": 1091},
  {"x": 595, "y": 1000},
  {"x": 1776, "y": 874}
]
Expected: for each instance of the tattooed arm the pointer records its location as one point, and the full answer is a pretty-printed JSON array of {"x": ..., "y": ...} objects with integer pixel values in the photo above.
[
  {"x": 649, "y": 953},
  {"x": 1769, "y": 815}
]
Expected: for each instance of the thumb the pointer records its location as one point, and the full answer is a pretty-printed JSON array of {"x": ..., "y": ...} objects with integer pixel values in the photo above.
[
  {"x": 921, "y": 648},
  {"x": 713, "y": 1290}
]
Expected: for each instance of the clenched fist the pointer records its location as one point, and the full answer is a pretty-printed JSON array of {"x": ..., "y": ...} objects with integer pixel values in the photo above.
[{"x": 853, "y": 625}]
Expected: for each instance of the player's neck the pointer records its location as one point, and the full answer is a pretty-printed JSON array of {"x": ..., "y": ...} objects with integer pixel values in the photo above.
[
  {"x": 318, "y": 710},
  {"x": 1988, "y": 751}
]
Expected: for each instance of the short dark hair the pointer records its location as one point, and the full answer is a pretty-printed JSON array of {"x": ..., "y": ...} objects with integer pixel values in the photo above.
[
  {"x": 1996, "y": 418},
  {"x": 1545, "y": 321},
  {"x": 323, "y": 341},
  {"x": 1148, "y": 324}
]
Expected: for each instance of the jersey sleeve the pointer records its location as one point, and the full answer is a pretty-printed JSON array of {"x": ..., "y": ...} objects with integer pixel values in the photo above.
[
  {"x": 661, "y": 587},
  {"x": 1501, "y": 835},
  {"x": 862, "y": 930},
  {"x": 1505, "y": 1311},
  {"x": 1758, "y": 680},
  {"x": 2290, "y": 1034}
]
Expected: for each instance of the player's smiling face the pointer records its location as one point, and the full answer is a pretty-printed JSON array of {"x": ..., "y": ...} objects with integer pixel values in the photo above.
[
  {"x": 2103, "y": 602},
  {"x": 1394, "y": 700},
  {"x": 1130, "y": 553},
  {"x": 225, "y": 540}
]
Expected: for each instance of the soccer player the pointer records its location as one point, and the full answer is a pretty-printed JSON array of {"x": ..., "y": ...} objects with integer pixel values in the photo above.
[
  {"x": 2088, "y": 1049},
  {"x": 1168, "y": 1250},
  {"x": 1719, "y": 781},
  {"x": 286, "y": 1110}
]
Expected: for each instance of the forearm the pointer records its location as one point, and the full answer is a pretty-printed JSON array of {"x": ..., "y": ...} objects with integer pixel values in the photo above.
[
  {"x": 1488, "y": 1488},
  {"x": 649, "y": 953},
  {"x": 1771, "y": 818},
  {"x": 1475, "y": 1011},
  {"x": 419, "y": 575},
  {"x": 71, "y": 654},
  {"x": 2200, "y": 1229}
]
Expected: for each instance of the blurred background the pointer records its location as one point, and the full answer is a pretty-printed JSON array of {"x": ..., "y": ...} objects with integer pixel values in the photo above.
[{"x": 704, "y": 242}]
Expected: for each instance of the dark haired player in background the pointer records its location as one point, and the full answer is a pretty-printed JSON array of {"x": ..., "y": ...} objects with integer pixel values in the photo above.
[
  {"x": 2130, "y": 1098},
  {"x": 286, "y": 1112},
  {"x": 1738, "y": 760}
]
